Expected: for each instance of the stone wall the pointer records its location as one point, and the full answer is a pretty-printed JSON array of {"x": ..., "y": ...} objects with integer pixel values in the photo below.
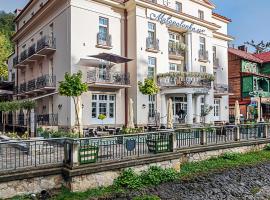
[
  {"x": 83, "y": 177},
  {"x": 29, "y": 186}
]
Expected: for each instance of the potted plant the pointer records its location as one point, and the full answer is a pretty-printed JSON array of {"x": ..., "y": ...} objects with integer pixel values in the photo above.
[
  {"x": 102, "y": 117},
  {"x": 159, "y": 143}
]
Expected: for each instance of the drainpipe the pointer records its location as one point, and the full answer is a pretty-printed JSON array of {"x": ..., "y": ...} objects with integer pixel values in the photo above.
[{"x": 126, "y": 65}]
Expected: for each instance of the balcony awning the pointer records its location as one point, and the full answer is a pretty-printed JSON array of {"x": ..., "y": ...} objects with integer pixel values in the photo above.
[
  {"x": 89, "y": 62},
  {"x": 43, "y": 96},
  {"x": 112, "y": 58}
]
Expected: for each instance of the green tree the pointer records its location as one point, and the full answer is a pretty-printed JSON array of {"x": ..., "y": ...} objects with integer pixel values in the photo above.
[
  {"x": 28, "y": 105},
  {"x": 73, "y": 87}
]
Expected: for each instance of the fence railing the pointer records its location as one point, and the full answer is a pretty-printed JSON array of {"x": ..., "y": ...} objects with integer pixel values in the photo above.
[{"x": 72, "y": 152}]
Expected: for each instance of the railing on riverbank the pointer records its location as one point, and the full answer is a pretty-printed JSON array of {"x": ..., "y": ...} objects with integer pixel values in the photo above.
[{"x": 71, "y": 152}]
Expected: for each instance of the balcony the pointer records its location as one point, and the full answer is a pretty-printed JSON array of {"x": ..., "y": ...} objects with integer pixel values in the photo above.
[
  {"x": 221, "y": 88},
  {"x": 185, "y": 80},
  {"x": 107, "y": 79},
  {"x": 152, "y": 44},
  {"x": 203, "y": 55},
  {"x": 216, "y": 63},
  {"x": 176, "y": 51},
  {"x": 104, "y": 41},
  {"x": 41, "y": 84},
  {"x": 46, "y": 45},
  {"x": 47, "y": 120}
]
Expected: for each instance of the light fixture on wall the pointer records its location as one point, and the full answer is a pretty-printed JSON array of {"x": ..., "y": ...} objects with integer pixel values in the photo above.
[
  {"x": 60, "y": 106},
  {"x": 143, "y": 106},
  {"x": 82, "y": 106}
]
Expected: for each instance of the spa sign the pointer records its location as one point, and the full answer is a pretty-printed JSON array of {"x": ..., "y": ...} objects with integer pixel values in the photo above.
[{"x": 172, "y": 21}]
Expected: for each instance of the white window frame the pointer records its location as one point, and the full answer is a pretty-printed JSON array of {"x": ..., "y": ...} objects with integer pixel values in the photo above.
[
  {"x": 178, "y": 6},
  {"x": 152, "y": 63},
  {"x": 201, "y": 14},
  {"x": 216, "y": 107}
]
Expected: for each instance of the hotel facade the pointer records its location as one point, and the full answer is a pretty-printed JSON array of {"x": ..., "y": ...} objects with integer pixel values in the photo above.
[{"x": 182, "y": 44}]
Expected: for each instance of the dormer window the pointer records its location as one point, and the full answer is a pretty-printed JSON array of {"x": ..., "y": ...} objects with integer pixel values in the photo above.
[{"x": 201, "y": 14}]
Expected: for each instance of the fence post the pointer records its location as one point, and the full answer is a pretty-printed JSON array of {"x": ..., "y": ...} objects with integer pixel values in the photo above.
[
  {"x": 203, "y": 137},
  {"x": 237, "y": 134},
  {"x": 71, "y": 152},
  {"x": 265, "y": 135}
]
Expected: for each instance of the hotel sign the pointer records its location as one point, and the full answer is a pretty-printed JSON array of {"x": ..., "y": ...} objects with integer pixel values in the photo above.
[{"x": 172, "y": 21}]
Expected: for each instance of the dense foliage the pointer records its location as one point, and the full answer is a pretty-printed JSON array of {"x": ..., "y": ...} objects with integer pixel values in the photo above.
[
  {"x": 149, "y": 87},
  {"x": 6, "y": 46}
]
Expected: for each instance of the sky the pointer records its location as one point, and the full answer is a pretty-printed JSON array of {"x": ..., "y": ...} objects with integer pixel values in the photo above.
[{"x": 249, "y": 17}]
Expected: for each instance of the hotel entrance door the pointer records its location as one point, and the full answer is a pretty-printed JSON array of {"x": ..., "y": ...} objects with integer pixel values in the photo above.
[{"x": 179, "y": 109}]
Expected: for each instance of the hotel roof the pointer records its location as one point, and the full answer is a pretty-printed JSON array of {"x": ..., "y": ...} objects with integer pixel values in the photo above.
[{"x": 245, "y": 55}]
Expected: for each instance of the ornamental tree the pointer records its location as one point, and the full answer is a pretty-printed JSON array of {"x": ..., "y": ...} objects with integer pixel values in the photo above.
[
  {"x": 149, "y": 87},
  {"x": 73, "y": 87}
]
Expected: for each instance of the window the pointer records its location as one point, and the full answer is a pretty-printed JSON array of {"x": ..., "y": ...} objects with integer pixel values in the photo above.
[
  {"x": 52, "y": 30},
  {"x": 216, "y": 107},
  {"x": 201, "y": 14},
  {"x": 151, "y": 67},
  {"x": 173, "y": 67},
  {"x": 103, "y": 104},
  {"x": 178, "y": 7},
  {"x": 154, "y": 1},
  {"x": 203, "y": 69},
  {"x": 151, "y": 105},
  {"x": 103, "y": 29},
  {"x": 202, "y": 44},
  {"x": 202, "y": 104},
  {"x": 214, "y": 52},
  {"x": 94, "y": 109},
  {"x": 152, "y": 30}
]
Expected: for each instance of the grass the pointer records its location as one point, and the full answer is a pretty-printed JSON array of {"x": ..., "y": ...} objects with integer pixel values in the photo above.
[{"x": 130, "y": 180}]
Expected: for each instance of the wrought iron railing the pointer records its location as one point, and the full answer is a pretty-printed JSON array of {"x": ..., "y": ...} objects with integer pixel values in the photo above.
[
  {"x": 221, "y": 88},
  {"x": 183, "y": 81},
  {"x": 106, "y": 76},
  {"x": 46, "y": 42},
  {"x": 23, "y": 88},
  {"x": 15, "y": 60},
  {"x": 23, "y": 55},
  {"x": 203, "y": 55},
  {"x": 104, "y": 39},
  {"x": 46, "y": 81},
  {"x": 47, "y": 119},
  {"x": 152, "y": 43},
  {"x": 31, "y": 85},
  {"x": 32, "y": 50},
  {"x": 175, "y": 49}
]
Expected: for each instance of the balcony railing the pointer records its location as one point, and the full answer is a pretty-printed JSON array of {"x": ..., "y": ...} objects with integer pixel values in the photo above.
[
  {"x": 216, "y": 62},
  {"x": 221, "y": 88},
  {"x": 47, "y": 119},
  {"x": 117, "y": 78},
  {"x": 15, "y": 60},
  {"x": 104, "y": 39},
  {"x": 152, "y": 44},
  {"x": 175, "y": 49},
  {"x": 203, "y": 55},
  {"x": 185, "y": 79},
  {"x": 32, "y": 50},
  {"x": 46, "y": 42},
  {"x": 46, "y": 81},
  {"x": 23, "y": 55}
]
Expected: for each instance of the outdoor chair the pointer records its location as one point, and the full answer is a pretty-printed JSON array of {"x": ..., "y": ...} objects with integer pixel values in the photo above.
[{"x": 99, "y": 128}]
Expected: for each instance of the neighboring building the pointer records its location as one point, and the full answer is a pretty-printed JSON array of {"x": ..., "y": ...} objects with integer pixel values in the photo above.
[
  {"x": 180, "y": 43},
  {"x": 249, "y": 73}
]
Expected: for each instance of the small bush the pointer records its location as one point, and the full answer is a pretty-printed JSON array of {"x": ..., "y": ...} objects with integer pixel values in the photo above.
[
  {"x": 156, "y": 175},
  {"x": 128, "y": 180},
  {"x": 267, "y": 147},
  {"x": 147, "y": 198},
  {"x": 230, "y": 156}
]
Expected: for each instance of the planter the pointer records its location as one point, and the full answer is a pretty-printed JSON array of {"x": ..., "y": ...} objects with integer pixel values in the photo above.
[
  {"x": 88, "y": 154},
  {"x": 159, "y": 144}
]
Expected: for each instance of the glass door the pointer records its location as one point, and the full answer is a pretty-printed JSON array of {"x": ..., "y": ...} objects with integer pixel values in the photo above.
[{"x": 179, "y": 109}]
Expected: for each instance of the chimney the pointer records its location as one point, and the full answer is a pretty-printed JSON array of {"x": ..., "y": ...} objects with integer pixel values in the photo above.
[
  {"x": 17, "y": 12},
  {"x": 242, "y": 48}
]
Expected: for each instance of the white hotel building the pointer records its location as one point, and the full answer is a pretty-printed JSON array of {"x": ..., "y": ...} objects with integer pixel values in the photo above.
[{"x": 168, "y": 40}]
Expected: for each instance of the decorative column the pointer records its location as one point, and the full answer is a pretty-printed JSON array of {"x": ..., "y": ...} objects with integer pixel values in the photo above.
[
  {"x": 189, "y": 109},
  {"x": 208, "y": 101},
  {"x": 163, "y": 110},
  {"x": 198, "y": 109},
  {"x": 189, "y": 51}
]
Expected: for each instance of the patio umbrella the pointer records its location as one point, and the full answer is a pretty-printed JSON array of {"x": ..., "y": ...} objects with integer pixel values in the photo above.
[
  {"x": 130, "y": 114},
  {"x": 237, "y": 113},
  {"x": 79, "y": 110},
  {"x": 112, "y": 58},
  {"x": 89, "y": 62},
  {"x": 170, "y": 115}
]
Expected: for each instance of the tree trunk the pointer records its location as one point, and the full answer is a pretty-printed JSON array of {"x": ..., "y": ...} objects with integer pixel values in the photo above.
[
  {"x": 4, "y": 122},
  {"x": 77, "y": 115},
  {"x": 13, "y": 125},
  {"x": 28, "y": 123}
]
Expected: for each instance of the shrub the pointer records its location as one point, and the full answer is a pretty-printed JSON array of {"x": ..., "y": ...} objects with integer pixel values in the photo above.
[
  {"x": 156, "y": 175},
  {"x": 128, "y": 180},
  {"x": 147, "y": 198},
  {"x": 267, "y": 147},
  {"x": 230, "y": 156}
]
